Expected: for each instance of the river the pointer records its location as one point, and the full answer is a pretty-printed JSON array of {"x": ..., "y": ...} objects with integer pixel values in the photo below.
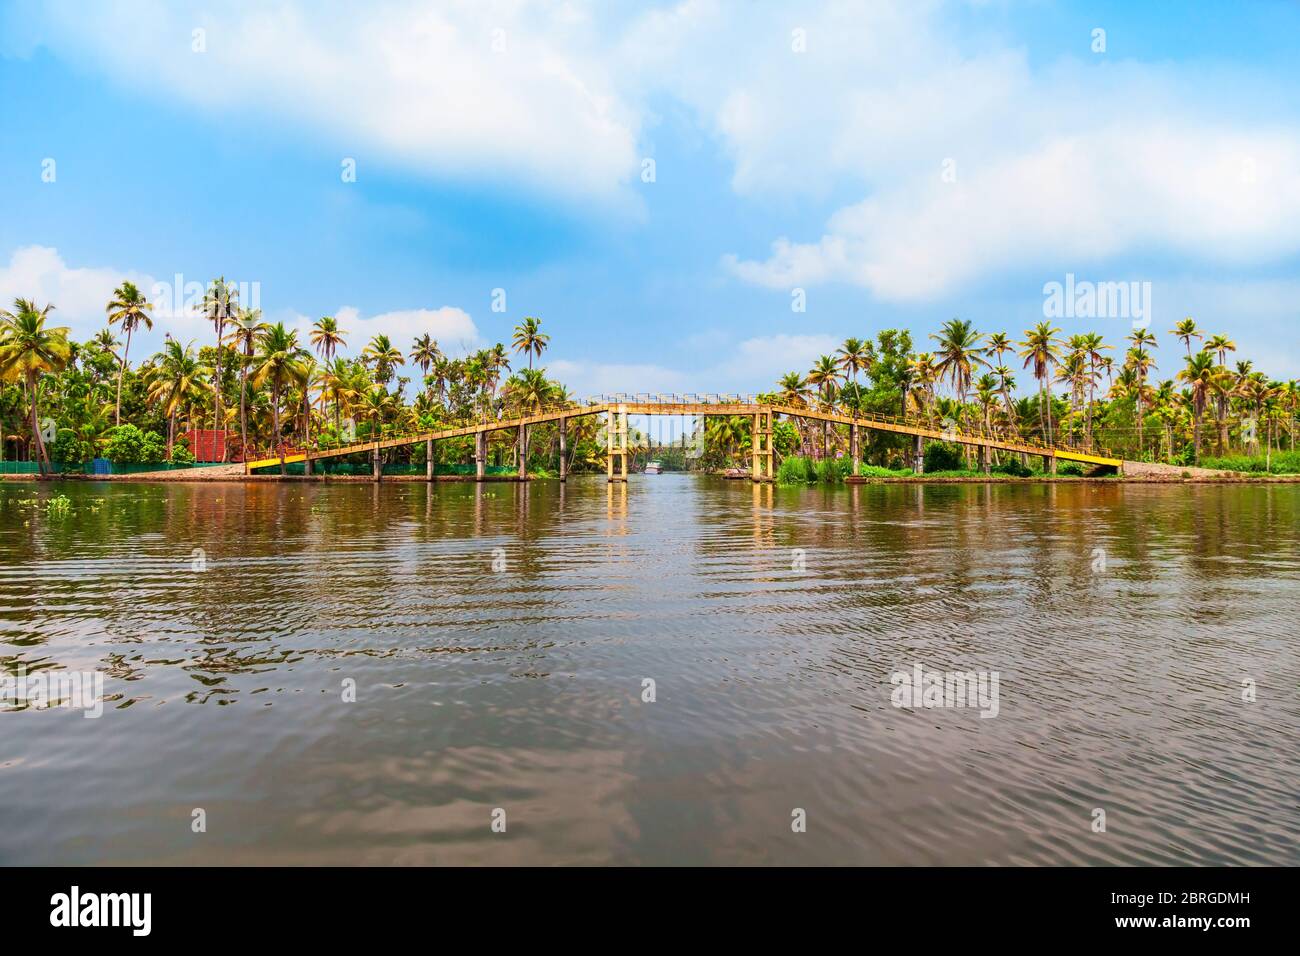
[{"x": 676, "y": 670}]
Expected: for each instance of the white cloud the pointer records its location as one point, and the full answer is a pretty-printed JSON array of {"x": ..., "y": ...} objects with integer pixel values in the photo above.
[
  {"x": 1062, "y": 165},
  {"x": 452, "y": 327},
  {"x": 78, "y": 294},
  {"x": 748, "y": 366},
  {"x": 518, "y": 91}
]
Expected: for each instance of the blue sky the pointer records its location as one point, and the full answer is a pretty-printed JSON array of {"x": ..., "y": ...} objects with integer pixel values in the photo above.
[{"x": 900, "y": 163}]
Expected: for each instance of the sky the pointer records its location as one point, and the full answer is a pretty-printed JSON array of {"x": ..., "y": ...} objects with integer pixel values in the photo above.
[{"x": 692, "y": 196}]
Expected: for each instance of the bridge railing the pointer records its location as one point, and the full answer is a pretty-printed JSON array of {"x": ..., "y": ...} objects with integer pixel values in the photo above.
[{"x": 391, "y": 432}]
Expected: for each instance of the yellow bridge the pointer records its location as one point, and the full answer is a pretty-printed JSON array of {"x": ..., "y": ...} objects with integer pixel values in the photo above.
[{"x": 617, "y": 409}]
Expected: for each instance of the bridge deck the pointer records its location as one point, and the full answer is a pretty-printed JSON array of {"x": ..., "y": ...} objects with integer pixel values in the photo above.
[{"x": 652, "y": 407}]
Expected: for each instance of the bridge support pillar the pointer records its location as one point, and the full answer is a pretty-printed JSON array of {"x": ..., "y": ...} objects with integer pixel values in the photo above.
[
  {"x": 376, "y": 464},
  {"x": 760, "y": 446},
  {"x": 918, "y": 454},
  {"x": 853, "y": 448},
  {"x": 986, "y": 459},
  {"x": 523, "y": 452},
  {"x": 616, "y": 445},
  {"x": 1049, "y": 464},
  {"x": 428, "y": 460},
  {"x": 480, "y": 455},
  {"x": 564, "y": 458},
  {"x": 306, "y": 467}
]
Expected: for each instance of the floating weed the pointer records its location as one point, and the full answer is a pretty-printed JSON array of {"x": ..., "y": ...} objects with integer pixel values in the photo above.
[{"x": 57, "y": 507}]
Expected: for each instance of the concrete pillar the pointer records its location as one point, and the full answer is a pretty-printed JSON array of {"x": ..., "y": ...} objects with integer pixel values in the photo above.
[
  {"x": 306, "y": 467},
  {"x": 1050, "y": 462},
  {"x": 564, "y": 459},
  {"x": 918, "y": 454},
  {"x": 755, "y": 448},
  {"x": 378, "y": 466},
  {"x": 428, "y": 460},
  {"x": 610, "y": 416},
  {"x": 523, "y": 451},
  {"x": 480, "y": 455},
  {"x": 986, "y": 459},
  {"x": 853, "y": 447}
]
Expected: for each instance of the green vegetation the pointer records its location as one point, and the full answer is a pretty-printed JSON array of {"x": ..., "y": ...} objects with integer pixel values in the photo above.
[
  {"x": 1279, "y": 463},
  {"x": 64, "y": 402}
]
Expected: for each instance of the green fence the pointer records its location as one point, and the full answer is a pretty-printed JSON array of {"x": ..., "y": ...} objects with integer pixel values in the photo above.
[
  {"x": 26, "y": 467},
  {"x": 366, "y": 469},
  {"x": 62, "y": 468}
]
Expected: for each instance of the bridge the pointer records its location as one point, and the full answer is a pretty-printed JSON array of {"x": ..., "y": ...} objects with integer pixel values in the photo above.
[{"x": 617, "y": 408}]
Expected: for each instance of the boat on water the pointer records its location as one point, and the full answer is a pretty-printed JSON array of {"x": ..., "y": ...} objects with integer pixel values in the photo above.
[{"x": 654, "y": 467}]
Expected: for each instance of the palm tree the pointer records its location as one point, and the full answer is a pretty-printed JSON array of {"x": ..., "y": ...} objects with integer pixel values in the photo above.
[
  {"x": 530, "y": 339},
  {"x": 219, "y": 305},
  {"x": 824, "y": 374},
  {"x": 384, "y": 356},
  {"x": 175, "y": 382},
  {"x": 1199, "y": 374},
  {"x": 246, "y": 326},
  {"x": 1041, "y": 349},
  {"x": 1142, "y": 364},
  {"x": 375, "y": 406},
  {"x": 1185, "y": 331},
  {"x": 425, "y": 353},
  {"x": 326, "y": 337},
  {"x": 29, "y": 350},
  {"x": 1221, "y": 345},
  {"x": 129, "y": 309},
  {"x": 959, "y": 349},
  {"x": 854, "y": 356},
  {"x": 279, "y": 361}
]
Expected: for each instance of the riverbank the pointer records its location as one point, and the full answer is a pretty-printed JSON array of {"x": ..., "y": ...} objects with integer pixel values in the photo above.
[{"x": 212, "y": 475}]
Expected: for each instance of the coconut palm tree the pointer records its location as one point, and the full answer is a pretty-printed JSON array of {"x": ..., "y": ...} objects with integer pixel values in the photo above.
[
  {"x": 529, "y": 338},
  {"x": 854, "y": 356},
  {"x": 1092, "y": 344},
  {"x": 424, "y": 353},
  {"x": 824, "y": 374},
  {"x": 1220, "y": 345},
  {"x": 1041, "y": 349},
  {"x": 1199, "y": 374},
  {"x": 1185, "y": 331},
  {"x": 129, "y": 309},
  {"x": 174, "y": 383},
  {"x": 220, "y": 303},
  {"x": 384, "y": 356},
  {"x": 28, "y": 350},
  {"x": 958, "y": 352},
  {"x": 279, "y": 362},
  {"x": 327, "y": 338},
  {"x": 245, "y": 328},
  {"x": 1142, "y": 363}
]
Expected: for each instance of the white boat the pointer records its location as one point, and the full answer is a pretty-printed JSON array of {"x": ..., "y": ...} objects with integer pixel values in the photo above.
[{"x": 654, "y": 467}]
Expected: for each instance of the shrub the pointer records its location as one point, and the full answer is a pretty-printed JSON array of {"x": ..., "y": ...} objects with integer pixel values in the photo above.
[
  {"x": 127, "y": 445},
  {"x": 876, "y": 471},
  {"x": 1283, "y": 463},
  {"x": 1071, "y": 468},
  {"x": 796, "y": 470},
  {"x": 832, "y": 471},
  {"x": 943, "y": 456},
  {"x": 181, "y": 455},
  {"x": 68, "y": 449},
  {"x": 1013, "y": 467}
]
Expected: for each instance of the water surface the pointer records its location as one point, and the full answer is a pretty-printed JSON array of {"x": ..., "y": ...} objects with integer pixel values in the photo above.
[{"x": 499, "y": 638}]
